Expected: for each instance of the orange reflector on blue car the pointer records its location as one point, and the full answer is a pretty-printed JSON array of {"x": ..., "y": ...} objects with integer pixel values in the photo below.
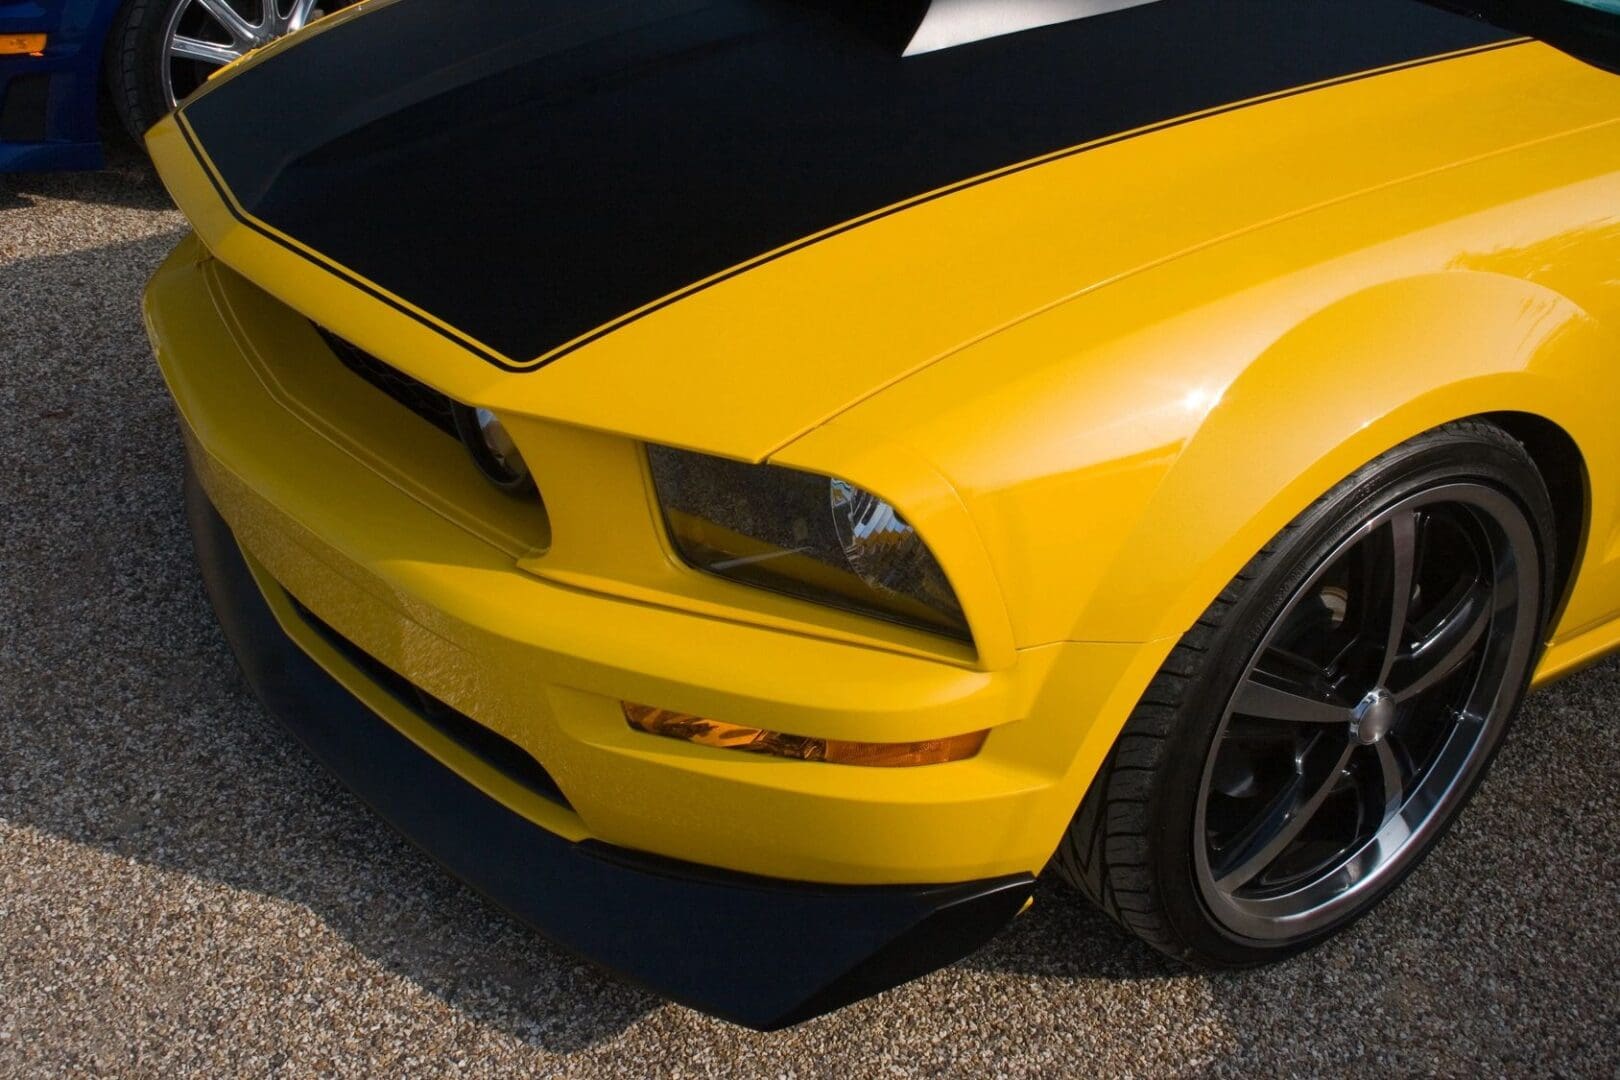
[{"x": 22, "y": 44}]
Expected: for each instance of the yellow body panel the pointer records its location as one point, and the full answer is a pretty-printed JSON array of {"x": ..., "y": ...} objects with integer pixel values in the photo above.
[{"x": 1096, "y": 386}]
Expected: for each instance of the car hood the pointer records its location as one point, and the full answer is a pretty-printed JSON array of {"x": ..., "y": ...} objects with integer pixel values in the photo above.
[{"x": 717, "y": 223}]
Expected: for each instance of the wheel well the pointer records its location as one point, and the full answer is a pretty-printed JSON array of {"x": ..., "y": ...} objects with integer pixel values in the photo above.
[{"x": 1563, "y": 470}]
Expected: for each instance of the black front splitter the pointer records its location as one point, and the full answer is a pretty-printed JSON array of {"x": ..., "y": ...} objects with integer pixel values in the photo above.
[{"x": 757, "y": 951}]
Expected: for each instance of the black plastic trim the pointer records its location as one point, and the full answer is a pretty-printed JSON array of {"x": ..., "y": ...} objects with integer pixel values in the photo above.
[
  {"x": 23, "y": 117},
  {"x": 757, "y": 951}
]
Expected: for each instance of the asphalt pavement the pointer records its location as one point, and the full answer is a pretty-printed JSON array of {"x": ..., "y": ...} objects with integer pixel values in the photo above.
[{"x": 184, "y": 892}]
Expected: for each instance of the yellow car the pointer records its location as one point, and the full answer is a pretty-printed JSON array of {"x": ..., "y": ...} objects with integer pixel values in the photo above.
[{"x": 750, "y": 484}]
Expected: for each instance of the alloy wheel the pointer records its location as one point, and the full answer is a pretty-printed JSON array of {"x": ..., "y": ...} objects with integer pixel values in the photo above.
[{"x": 1371, "y": 703}]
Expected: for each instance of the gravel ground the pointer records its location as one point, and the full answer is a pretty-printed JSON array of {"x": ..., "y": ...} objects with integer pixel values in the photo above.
[{"x": 183, "y": 891}]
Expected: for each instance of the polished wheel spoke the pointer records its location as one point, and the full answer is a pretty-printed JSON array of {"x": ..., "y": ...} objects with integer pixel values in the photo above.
[
  {"x": 1289, "y": 666},
  {"x": 1281, "y": 823},
  {"x": 207, "y": 52},
  {"x": 1446, "y": 648},
  {"x": 1393, "y": 777},
  {"x": 298, "y": 15},
  {"x": 1269, "y": 702},
  {"x": 1400, "y": 535},
  {"x": 242, "y": 32}
]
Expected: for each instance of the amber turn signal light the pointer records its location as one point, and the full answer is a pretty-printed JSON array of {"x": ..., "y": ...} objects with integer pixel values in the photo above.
[
  {"x": 705, "y": 732},
  {"x": 22, "y": 44}
]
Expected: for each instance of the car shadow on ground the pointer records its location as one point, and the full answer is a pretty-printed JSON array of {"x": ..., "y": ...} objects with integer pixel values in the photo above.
[{"x": 128, "y": 180}]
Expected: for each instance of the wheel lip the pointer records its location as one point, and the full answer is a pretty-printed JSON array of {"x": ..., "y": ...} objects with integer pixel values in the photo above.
[
  {"x": 166, "y": 57},
  {"x": 1380, "y": 862}
]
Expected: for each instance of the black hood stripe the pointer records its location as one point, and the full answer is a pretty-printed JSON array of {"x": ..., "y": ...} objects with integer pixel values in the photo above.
[
  {"x": 526, "y": 200},
  {"x": 376, "y": 292}
]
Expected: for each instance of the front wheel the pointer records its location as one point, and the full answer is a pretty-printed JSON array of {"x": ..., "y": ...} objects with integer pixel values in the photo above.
[{"x": 1315, "y": 733}]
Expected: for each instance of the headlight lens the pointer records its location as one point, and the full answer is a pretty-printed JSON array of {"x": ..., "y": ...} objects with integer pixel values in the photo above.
[
  {"x": 801, "y": 533},
  {"x": 492, "y": 448}
]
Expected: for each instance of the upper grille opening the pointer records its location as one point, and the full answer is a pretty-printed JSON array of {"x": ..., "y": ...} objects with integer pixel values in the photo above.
[{"x": 418, "y": 397}]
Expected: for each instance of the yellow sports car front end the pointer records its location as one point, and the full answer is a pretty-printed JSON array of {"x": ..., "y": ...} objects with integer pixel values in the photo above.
[{"x": 722, "y": 476}]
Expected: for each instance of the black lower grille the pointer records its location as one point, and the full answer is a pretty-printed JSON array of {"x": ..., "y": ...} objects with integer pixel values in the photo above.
[
  {"x": 499, "y": 753},
  {"x": 418, "y": 397},
  {"x": 23, "y": 115}
]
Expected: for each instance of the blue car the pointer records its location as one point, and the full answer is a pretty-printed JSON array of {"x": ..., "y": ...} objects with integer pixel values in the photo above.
[{"x": 57, "y": 58}]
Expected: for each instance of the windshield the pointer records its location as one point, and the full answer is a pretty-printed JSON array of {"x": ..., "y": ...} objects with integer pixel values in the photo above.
[{"x": 1587, "y": 29}]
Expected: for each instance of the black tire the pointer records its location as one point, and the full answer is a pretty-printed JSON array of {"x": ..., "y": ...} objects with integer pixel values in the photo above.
[
  {"x": 1132, "y": 846},
  {"x": 134, "y": 62}
]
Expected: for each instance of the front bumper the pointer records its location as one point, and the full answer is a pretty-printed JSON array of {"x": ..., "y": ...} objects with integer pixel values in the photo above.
[
  {"x": 878, "y": 873},
  {"x": 752, "y": 950}
]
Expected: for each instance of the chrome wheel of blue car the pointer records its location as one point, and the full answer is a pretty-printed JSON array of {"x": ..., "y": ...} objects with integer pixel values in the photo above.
[
  {"x": 162, "y": 50},
  {"x": 201, "y": 36}
]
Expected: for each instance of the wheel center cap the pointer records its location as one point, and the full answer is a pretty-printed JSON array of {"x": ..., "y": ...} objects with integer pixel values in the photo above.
[{"x": 1373, "y": 716}]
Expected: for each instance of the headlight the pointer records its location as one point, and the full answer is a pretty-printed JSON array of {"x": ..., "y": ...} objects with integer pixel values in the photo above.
[
  {"x": 492, "y": 448},
  {"x": 804, "y": 534}
]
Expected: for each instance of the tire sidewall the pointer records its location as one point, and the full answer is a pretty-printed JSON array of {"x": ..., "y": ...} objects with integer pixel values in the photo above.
[{"x": 134, "y": 63}]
